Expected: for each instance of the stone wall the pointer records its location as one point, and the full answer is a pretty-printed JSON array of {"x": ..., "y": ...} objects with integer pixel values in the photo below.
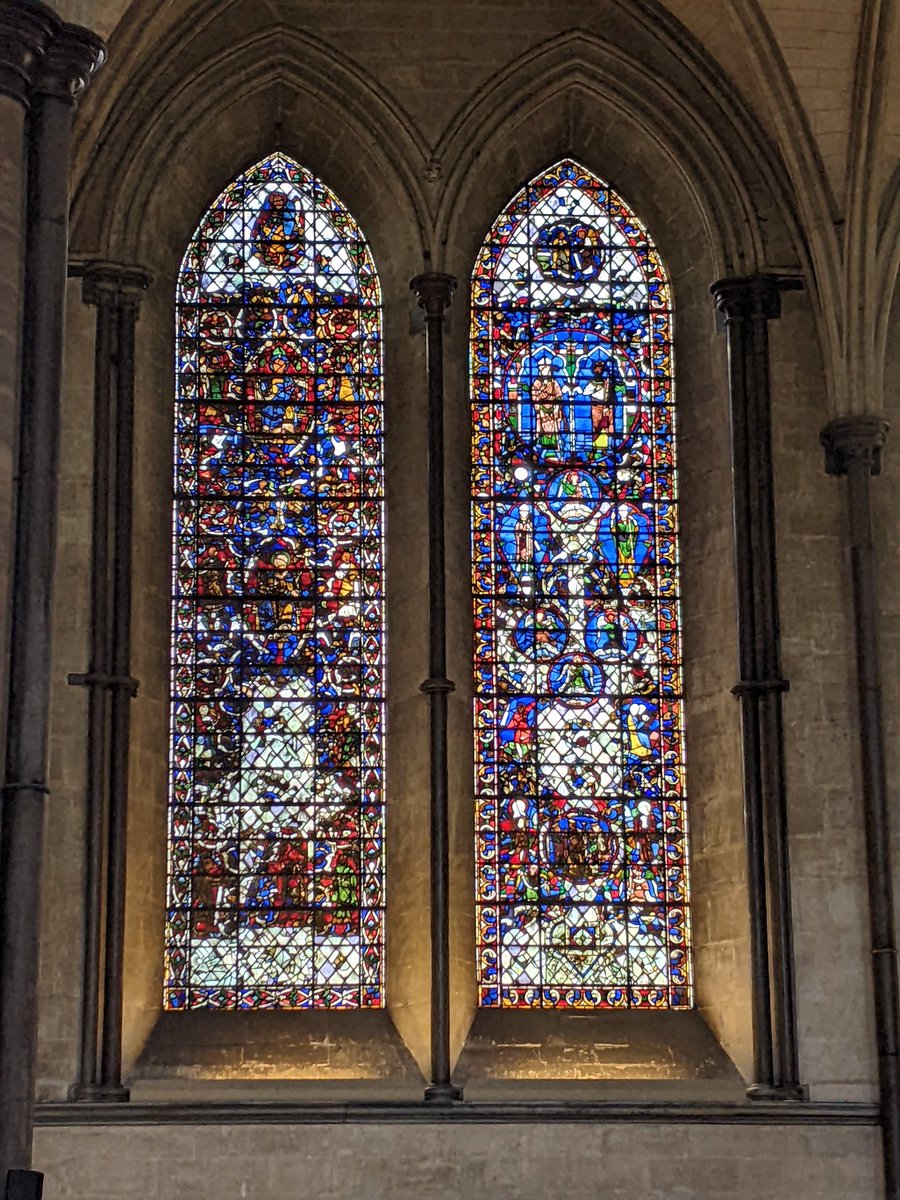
[
  {"x": 454, "y": 1163},
  {"x": 425, "y": 120},
  {"x": 369, "y": 177}
]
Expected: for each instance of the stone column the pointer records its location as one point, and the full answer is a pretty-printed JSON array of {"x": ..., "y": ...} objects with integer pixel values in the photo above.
[
  {"x": 853, "y": 448},
  {"x": 115, "y": 291},
  {"x": 434, "y": 293},
  {"x": 747, "y": 305},
  {"x": 70, "y": 56},
  {"x": 25, "y": 33}
]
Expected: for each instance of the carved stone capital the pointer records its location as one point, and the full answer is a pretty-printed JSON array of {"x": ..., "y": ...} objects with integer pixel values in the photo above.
[
  {"x": 752, "y": 297},
  {"x": 854, "y": 438},
  {"x": 70, "y": 61},
  {"x": 434, "y": 292},
  {"x": 26, "y": 30},
  {"x": 110, "y": 283}
]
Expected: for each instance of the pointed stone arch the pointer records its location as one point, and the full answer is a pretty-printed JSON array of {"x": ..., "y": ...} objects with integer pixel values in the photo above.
[
  {"x": 725, "y": 159},
  {"x": 578, "y": 696},
  {"x": 169, "y": 112}
]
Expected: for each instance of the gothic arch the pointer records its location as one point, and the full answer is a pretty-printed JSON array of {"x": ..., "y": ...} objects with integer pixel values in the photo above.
[
  {"x": 650, "y": 181},
  {"x": 169, "y": 112},
  {"x": 724, "y": 157},
  {"x": 578, "y": 687},
  {"x": 139, "y": 200},
  {"x": 276, "y": 793},
  {"x": 652, "y": 133},
  {"x": 813, "y": 196}
]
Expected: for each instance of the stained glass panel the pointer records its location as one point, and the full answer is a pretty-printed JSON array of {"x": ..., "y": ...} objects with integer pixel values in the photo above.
[
  {"x": 581, "y": 824},
  {"x": 276, "y": 830}
]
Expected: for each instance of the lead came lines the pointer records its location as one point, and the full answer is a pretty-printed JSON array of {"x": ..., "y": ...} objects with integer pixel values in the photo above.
[
  {"x": 277, "y": 902},
  {"x": 575, "y": 900}
]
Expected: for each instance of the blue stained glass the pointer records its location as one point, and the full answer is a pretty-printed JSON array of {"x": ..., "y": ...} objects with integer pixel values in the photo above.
[
  {"x": 276, "y": 890},
  {"x": 581, "y": 841}
]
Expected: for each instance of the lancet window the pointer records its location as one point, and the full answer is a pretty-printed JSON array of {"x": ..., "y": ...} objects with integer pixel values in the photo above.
[
  {"x": 275, "y": 891},
  {"x": 581, "y": 823}
]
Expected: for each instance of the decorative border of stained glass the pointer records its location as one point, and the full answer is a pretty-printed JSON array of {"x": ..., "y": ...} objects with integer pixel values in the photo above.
[
  {"x": 276, "y": 864},
  {"x": 581, "y": 840}
]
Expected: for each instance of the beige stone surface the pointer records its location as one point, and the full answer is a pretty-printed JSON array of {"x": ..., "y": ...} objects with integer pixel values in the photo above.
[
  {"x": 428, "y": 1162},
  {"x": 818, "y": 40},
  {"x": 61, "y": 961},
  {"x": 742, "y": 148}
]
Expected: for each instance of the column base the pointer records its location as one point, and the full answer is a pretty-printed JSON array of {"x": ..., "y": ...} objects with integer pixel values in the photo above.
[
  {"x": 99, "y": 1093},
  {"x": 442, "y": 1093},
  {"x": 792, "y": 1093}
]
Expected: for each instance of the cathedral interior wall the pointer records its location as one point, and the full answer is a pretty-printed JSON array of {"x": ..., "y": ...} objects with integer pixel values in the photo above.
[
  {"x": 886, "y": 534},
  {"x": 440, "y": 1163},
  {"x": 158, "y": 222},
  {"x": 139, "y": 194}
]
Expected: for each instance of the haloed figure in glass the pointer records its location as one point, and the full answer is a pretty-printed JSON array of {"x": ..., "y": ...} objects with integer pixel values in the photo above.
[
  {"x": 275, "y": 857},
  {"x": 581, "y": 839}
]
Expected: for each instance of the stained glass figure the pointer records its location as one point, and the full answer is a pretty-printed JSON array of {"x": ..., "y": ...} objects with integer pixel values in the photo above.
[
  {"x": 275, "y": 851},
  {"x": 581, "y": 838}
]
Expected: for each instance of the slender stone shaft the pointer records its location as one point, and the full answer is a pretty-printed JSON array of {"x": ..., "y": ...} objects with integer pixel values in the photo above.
[
  {"x": 95, "y": 792},
  {"x": 122, "y": 687},
  {"x": 115, "y": 292},
  {"x": 853, "y": 448},
  {"x": 747, "y": 306},
  {"x": 24, "y": 36},
  {"x": 70, "y": 54},
  {"x": 434, "y": 293}
]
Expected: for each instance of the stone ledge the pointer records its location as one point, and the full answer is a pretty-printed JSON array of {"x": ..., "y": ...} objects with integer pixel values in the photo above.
[
  {"x": 603, "y": 1047},
  {"x": 463, "y": 1112},
  {"x": 187, "y": 1050}
]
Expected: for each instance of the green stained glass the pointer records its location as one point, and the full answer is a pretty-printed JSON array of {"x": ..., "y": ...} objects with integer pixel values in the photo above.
[
  {"x": 581, "y": 842},
  {"x": 276, "y": 795}
]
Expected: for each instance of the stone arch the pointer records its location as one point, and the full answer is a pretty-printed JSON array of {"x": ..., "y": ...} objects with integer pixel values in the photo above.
[
  {"x": 724, "y": 157},
  {"x": 575, "y": 119},
  {"x": 555, "y": 697},
  {"x": 157, "y": 120},
  {"x": 138, "y": 199}
]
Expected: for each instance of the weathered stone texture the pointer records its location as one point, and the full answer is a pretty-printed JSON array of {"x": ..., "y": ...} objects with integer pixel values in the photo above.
[
  {"x": 418, "y": 70},
  {"x": 393, "y": 1162}
]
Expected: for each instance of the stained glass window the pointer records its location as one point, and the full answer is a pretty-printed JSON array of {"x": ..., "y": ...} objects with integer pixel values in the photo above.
[
  {"x": 581, "y": 839},
  {"x": 275, "y": 850}
]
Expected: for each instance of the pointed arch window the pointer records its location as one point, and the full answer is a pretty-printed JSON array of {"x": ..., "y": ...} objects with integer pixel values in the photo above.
[
  {"x": 581, "y": 823},
  {"x": 275, "y": 848}
]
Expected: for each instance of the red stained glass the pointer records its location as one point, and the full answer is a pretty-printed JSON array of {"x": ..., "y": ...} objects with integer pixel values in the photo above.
[
  {"x": 276, "y": 891},
  {"x": 581, "y": 847}
]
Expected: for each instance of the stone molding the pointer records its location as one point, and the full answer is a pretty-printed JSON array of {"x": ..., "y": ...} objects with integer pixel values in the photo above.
[
  {"x": 855, "y": 437},
  {"x": 434, "y": 291},
  {"x": 292, "y": 1112},
  {"x": 110, "y": 283},
  {"x": 72, "y": 58},
  {"x": 744, "y": 298},
  {"x": 26, "y": 30},
  {"x": 40, "y": 54}
]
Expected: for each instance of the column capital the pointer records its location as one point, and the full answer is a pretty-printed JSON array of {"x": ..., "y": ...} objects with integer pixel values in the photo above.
[
  {"x": 26, "y": 30},
  {"x": 434, "y": 291},
  {"x": 71, "y": 59},
  {"x": 857, "y": 437},
  {"x": 745, "y": 297},
  {"x": 109, "y": 282}
]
